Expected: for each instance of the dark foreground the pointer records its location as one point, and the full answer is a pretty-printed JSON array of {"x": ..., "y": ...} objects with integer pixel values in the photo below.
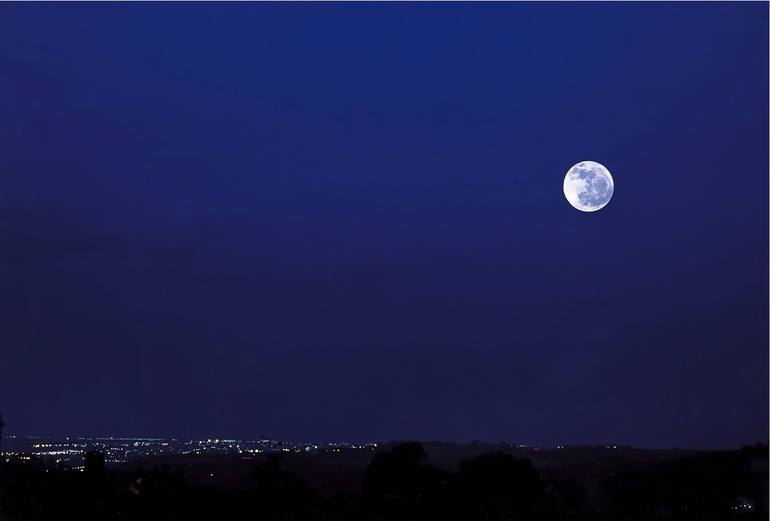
[{"x": 401, "y": 482}]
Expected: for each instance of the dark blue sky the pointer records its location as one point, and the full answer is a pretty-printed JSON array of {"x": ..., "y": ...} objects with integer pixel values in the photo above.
[{"x": 346, "y": 221}]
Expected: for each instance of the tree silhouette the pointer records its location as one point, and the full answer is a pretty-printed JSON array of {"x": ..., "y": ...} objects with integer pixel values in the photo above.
[
  {"x": 398, "y": 485},
  {"x": 499, "y": 487},
  {"x": 279, "y": 494}
]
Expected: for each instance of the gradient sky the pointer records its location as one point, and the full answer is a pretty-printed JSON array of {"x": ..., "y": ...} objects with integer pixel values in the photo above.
[{"x": 346, "y": 221}]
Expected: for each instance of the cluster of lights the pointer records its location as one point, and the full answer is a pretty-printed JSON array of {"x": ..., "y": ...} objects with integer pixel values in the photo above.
[{"x": 70, "y": 451}]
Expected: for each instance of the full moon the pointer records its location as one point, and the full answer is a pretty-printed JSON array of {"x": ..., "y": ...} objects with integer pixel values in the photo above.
[{"x": 588, "y": 186}]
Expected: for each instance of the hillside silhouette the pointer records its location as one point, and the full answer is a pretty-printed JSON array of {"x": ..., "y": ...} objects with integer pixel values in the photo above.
[{"x": 400, "y": 483}]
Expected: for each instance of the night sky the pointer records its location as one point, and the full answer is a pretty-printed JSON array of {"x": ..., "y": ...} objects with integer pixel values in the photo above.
[{"x": 346, "y": 221}]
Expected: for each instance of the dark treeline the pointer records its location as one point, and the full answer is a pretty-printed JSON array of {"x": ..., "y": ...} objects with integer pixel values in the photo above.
[{"x": 399, "y": 485}]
